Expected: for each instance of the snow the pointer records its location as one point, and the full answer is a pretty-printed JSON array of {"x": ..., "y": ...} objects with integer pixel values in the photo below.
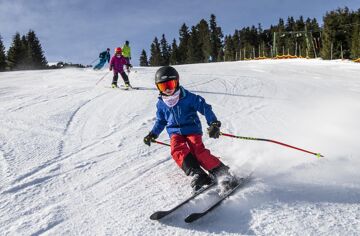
[{"x": 72, "y": 159}]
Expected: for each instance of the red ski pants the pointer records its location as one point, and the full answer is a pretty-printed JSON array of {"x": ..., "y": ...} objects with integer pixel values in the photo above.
[{"x": 182, "y": 145}]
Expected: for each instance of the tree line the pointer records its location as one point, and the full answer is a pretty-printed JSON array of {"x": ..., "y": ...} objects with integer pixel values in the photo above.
[
  {"x": 205, "y": 42},
  {"x": 25, "y": 53}
]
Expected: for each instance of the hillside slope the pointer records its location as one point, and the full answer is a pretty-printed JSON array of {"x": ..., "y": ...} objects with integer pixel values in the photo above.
[{"x": 72, "y": 159}]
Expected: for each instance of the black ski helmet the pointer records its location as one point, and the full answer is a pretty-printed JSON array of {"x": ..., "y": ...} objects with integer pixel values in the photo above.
[{"x": 166, "y": 73}]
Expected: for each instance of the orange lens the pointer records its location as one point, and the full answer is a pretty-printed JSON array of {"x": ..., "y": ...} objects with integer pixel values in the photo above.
[{"x": 171, "y": 84}]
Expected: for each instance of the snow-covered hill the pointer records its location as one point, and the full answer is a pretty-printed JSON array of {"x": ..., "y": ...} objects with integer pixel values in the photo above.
[{"x": 72, "y": 159}]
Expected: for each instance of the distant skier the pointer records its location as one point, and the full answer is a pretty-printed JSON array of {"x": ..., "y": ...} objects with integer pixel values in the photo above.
[
  {"x": 177, "y": 111},
  {"x": 126, "y": 52},
  {"x": 103, "y": 56},
  {"x": 117, "y": 64}
]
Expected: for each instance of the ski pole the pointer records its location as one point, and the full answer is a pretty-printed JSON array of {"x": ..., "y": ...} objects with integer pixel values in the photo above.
[
  {"x": 93, "y": 61},
  {"x": 158, "y": 142},
  {"x": 272, "y": 141},
  {"x": 102, "y": 77}
]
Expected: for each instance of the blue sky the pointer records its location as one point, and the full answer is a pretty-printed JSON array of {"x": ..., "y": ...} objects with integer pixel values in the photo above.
[{"x": 77, "y": 30}]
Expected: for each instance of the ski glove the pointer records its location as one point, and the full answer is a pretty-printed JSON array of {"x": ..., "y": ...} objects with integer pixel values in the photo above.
[
  {"x": 214, "y": 129},
  {"x": 149, "y": 138}
]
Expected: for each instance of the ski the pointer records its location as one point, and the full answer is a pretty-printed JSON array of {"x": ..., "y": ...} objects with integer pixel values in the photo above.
[
  {"x": 160, "y": 214},
  {"x": 128, "y": 88},
  {"x": 195, "y": 216}
]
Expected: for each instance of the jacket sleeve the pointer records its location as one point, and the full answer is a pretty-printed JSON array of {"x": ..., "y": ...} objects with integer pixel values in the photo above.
[
  {"x": 160, "y": 121},
  {"x": 204, "y": 109}
]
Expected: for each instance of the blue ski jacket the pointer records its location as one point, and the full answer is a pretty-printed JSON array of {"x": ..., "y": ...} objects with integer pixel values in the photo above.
[
  {"x": 105, "y": 56},
  {"x": 182, "y": 118}
]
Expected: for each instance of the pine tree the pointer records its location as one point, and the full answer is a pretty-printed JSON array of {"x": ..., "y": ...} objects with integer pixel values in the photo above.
[
  {"x": 194, "y": 53},
  {"x": 229, "y": 47},
  {"x": 143, "y": 59},
  {"x": 204, "y": 40},
  {"x": 174, "y": 58},
  {"x": 280, "y": 48},
  {"x": 216, "y": 36},
  {"x": 2, "y": 56},
  {"x": 289, "y": 40},
  {"x": 236, "y": 43},
  {"x": 36, "y": 54},
  {"x": 15, "y": 54},
  {"x": 315, "y": 36},
  {"x": 337, "y": 34},
  {"x": 300, "y": 24},
  {"x": 290, "y": 24},
  {"x": 249, "y": 40},
  {"x": 155, "y": 57},
  {"x": 308, "y": 39},
  {"x": 165, "y": 51},
  {"x": 355, "y": 42},
  {"x": 221, "y": 55},
  {"x": 327, "y": 38},
  {"x": 264, "y": 40},
  {"x": 26, "y": 62},
  {"x": 183, "y": 44}
]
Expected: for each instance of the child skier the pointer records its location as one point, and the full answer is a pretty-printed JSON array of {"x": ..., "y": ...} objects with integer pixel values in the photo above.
[
  {"x": 177, "y": 111},
  {"x": 103, "y": 56},
  {"x": 117, "y": 65}
]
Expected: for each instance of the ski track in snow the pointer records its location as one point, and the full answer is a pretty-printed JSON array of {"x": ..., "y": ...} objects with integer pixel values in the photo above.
[{"x": 72, "y": 160}]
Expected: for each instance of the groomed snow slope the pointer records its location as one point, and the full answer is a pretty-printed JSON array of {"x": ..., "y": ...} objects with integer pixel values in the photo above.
[{"x": 72, "y": 159}]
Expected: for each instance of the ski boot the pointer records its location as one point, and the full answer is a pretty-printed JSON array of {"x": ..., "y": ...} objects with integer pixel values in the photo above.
[
  {"x": 128, "y": 86},
  {"x": 200, "y": 178},
  {"x": 114, "y": 86},
  {"x": 225, "y": 180}
]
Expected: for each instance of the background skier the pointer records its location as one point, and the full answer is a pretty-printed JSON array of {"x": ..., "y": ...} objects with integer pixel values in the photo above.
[
  {"x": 117, "y": 66},
  {"x": 177, "y": 111},
  {"x": 126, "y": 51},
  {"x": 103, "y": 56}
]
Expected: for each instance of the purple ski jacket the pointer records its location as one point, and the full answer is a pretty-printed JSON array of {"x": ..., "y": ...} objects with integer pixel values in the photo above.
[{"x": 117, "y": 64}]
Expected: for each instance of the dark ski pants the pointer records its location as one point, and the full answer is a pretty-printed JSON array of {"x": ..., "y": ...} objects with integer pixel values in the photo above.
[
  {"x": 182, "y": 145},
  {"x": 123, "y": 75}
]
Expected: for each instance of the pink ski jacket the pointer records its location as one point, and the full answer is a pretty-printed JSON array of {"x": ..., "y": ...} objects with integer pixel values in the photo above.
[{"x": 117, "y": 64}]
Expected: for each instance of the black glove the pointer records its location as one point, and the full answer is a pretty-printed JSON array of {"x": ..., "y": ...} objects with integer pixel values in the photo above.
[
  {"x": 214, "y": 129},
  {"x": 149, "y": 138}
]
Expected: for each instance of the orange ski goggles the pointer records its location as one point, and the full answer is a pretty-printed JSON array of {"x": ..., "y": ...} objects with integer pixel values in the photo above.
[{"x": 170, "y": 84}]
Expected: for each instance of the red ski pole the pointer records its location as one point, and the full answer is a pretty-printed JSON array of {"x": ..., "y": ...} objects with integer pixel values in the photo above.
[{"x": 272, "y": 141}]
